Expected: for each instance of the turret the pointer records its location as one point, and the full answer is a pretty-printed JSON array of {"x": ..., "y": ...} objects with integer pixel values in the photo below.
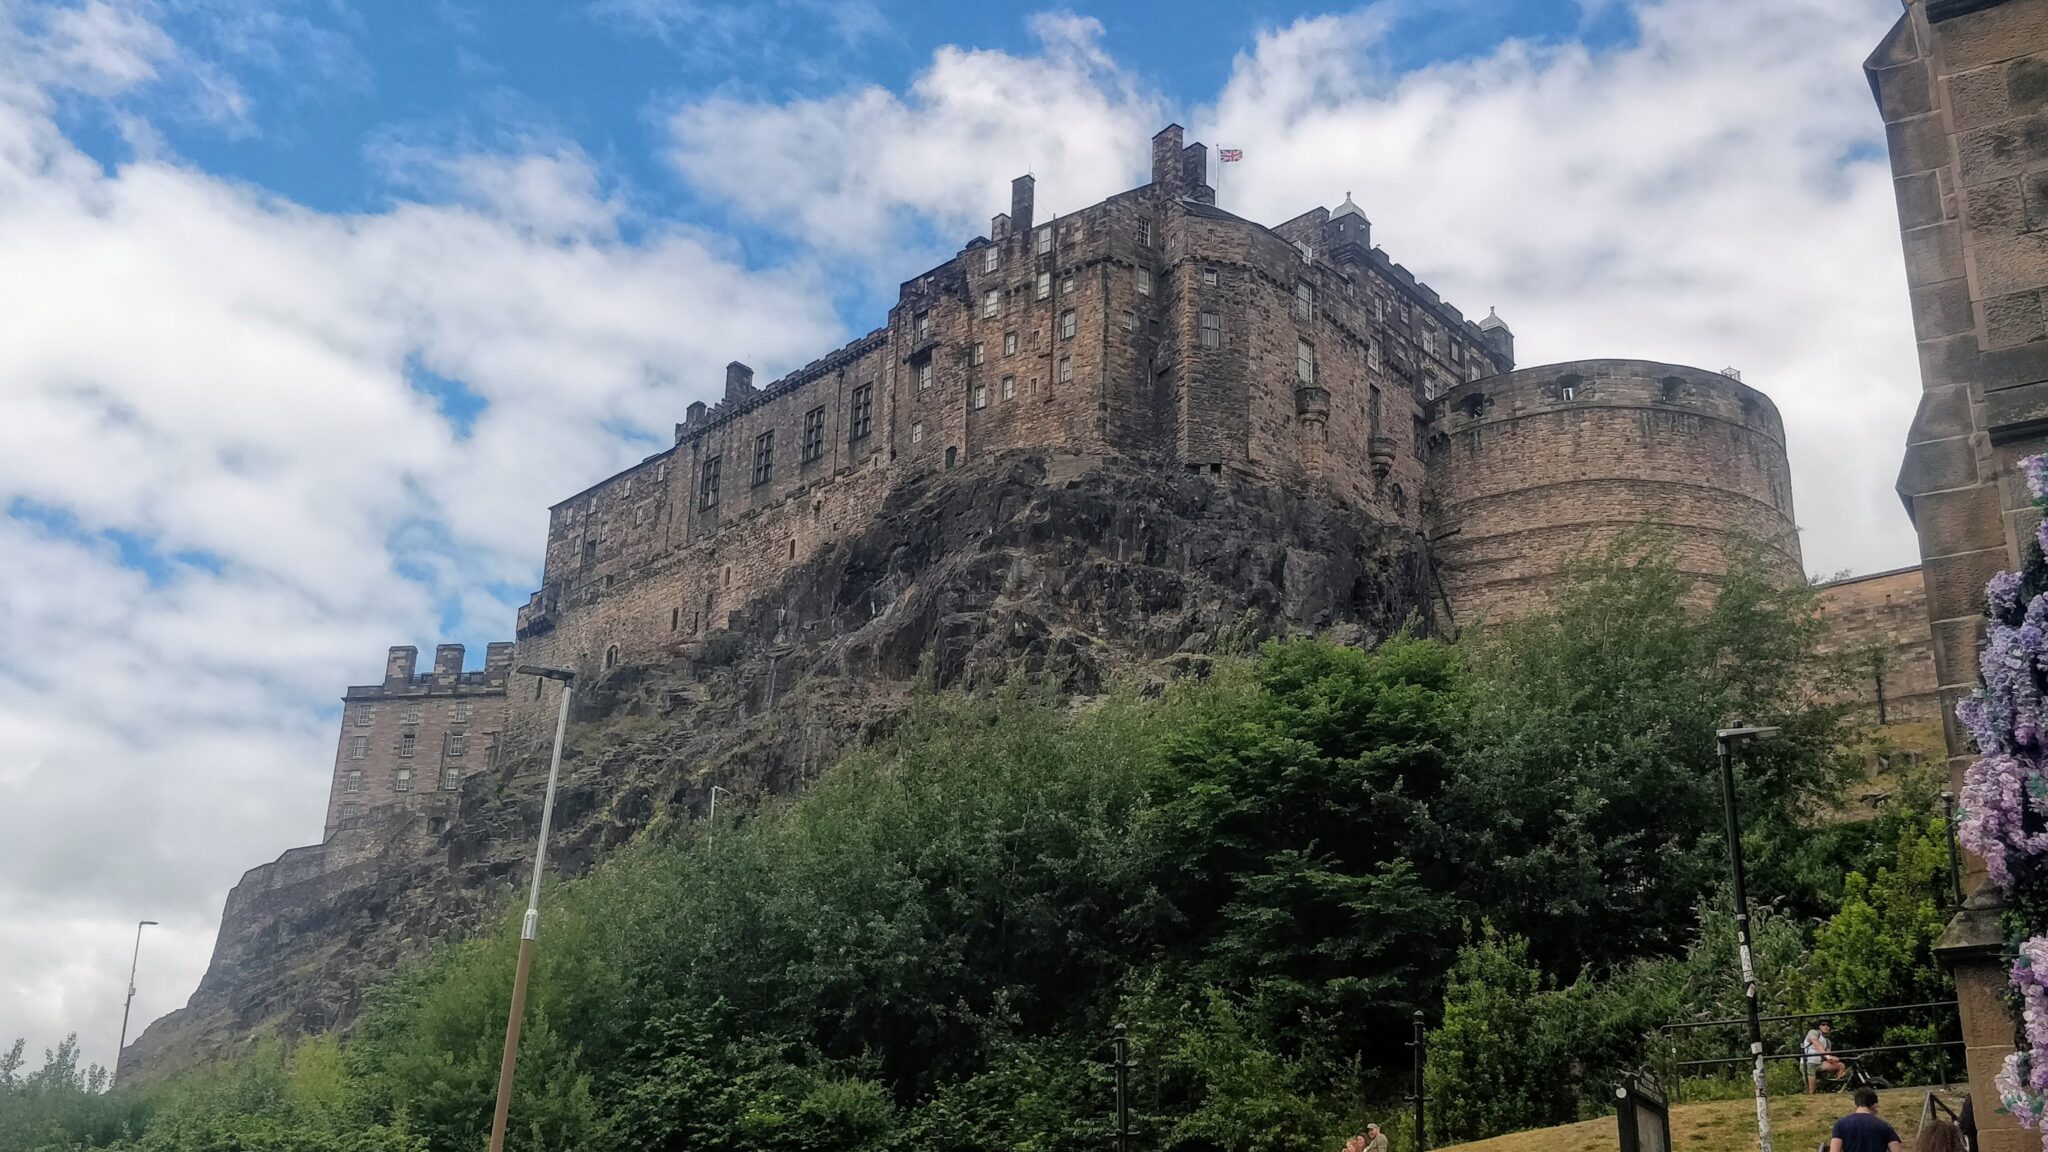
[{"x": 1499, "y": 340}]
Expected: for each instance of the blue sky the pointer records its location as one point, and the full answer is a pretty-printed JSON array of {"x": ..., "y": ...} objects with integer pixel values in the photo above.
[{"x": 313, "y": 309}]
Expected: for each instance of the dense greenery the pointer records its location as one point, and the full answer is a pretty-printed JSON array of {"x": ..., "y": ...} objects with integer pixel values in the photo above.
[{"x": 1262, "y": 875}]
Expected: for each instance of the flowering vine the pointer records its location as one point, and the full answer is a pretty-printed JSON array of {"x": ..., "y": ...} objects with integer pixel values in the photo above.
[{"x": 2005, "y": 796}]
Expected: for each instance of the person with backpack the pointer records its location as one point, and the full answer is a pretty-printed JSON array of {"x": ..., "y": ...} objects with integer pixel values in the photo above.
[{"x": 1817, "y": 1053}]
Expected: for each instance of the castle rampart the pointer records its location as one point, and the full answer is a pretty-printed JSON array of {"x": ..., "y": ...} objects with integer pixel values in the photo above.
[{"x": 1536, "y": 469}]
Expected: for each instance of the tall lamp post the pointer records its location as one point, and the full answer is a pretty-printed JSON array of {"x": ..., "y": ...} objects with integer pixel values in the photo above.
[
  {"x": 529, "y": 927},
  {"x": 133, "y": 960},
  {"x": 1729, "y": 739}
]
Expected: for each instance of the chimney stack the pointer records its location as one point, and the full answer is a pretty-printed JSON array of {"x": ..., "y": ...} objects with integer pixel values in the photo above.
[
  {"x": 447, "y": 661},
  {"x": 739, "y": 380},
  {"x": 1022, "y": 190},
  {"x": 1194, "y": 173},
  {"x": 1166, "y": 161},
  {"x": 398, "y": 664}
]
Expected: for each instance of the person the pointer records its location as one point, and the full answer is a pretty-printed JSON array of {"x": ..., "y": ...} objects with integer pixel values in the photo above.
[
  {"x": 1817, "y": 1053},
  {"x": 1941, "y": 1136},
  {"x": 1863, "y": 1130},
  {"x": 1375, "y": 1140}
]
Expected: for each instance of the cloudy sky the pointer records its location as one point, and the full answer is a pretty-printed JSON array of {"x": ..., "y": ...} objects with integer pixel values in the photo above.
[{"x": 308, "y": 311}]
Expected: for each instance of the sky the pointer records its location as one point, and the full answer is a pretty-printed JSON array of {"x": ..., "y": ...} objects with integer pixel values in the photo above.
[{"x": 309, "y": 310}]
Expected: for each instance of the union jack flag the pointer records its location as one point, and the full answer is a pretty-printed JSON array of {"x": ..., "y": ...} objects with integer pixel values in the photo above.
[{"x": 1230, "y": 155}]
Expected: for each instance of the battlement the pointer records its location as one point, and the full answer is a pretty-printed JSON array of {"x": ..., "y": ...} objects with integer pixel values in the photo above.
[
  {"x": 401, "y": 679},
  {"x": 417, "y": 734}
]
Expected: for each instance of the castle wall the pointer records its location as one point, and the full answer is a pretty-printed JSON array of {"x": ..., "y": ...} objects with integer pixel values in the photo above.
[
  {"x": 1881, "y": 621},
  {"x": 416, "y": 733},
  {"x": 1537, "y": 469}
]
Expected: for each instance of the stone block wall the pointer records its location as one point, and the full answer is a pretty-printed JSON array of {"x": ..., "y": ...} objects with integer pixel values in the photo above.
[
  {"x": 416, "y": 734},
  {"x": 1880, "y": 621},
  {"x": 1536, "y": 469}
]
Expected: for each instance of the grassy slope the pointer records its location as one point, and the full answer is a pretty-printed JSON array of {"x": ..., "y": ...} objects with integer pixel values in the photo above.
[{"x": 1798, "y": 1124}]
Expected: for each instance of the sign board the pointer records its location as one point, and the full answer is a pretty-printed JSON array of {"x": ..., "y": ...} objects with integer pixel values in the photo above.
[{"x": 1643, "y": 1116}]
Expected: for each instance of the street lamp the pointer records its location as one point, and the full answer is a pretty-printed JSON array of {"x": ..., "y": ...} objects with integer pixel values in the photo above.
[
  {"x": 529, "y": 927},
  {"x": 713, "y": 818},
  {"x": 1729, "y": 739},
  {"x": 133, "y": 960}
]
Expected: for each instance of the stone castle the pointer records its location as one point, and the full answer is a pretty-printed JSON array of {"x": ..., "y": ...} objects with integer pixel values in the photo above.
[{"x": 1152, "y": 327}]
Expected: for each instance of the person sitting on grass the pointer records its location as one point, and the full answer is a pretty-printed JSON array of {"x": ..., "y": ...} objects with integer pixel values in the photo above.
[
  {"x": 1863, "y": 1130},
  {"x": 1817, "y": 1053}
]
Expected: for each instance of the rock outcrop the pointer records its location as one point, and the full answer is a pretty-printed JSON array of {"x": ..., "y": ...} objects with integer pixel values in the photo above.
[{"x": 1073, "y": 569}]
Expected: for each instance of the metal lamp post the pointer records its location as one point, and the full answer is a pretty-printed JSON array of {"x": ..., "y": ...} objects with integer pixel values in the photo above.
[
  {"x": 133, "y": 960},
  {"x": 529, "y": 927},
  {"x": 1728, "y": 739}
]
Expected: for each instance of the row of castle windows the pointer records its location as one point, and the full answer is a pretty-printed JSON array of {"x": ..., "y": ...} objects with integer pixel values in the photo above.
[
  {"x": 452, "y": 744},
  {"x": 363, "y": 713},
  {"x": 860, "y": 426},
  {"x": 401, "y": 781}
]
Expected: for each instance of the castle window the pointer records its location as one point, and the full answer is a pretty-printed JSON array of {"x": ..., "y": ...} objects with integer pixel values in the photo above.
[
  {"x": 991, "y": 302},
  {"x": 1067, "y": 324},
  {"x": 405, "y": 744},
  {"x": 675, "y": 619},
  {"x": 589, "y": 551},
  {"x": 451, "y": 779},
  {"x": 1567, "y": 392},
  {"x": 1307, "y": 256},
  {"x": 462, "y": 708},
  {"x": 412, "y": 713},
  {"x": 358, "y": 747},
  {"x": 537, "y": 682},
  {"x": 1144, "y": 232},
  {"x": 639, "y": 516},
  {"x": 629, "y": 487},
  {"x": 1212, "y": 329},
  {"x": 1428, "y": 342},
  {"x": 1372, "y": 408},
  {"x": 660, "y": 472},
  {"x": 1304, "y": 362},
  {"x": 1130, "y": 320},
  {"x": 707, "y": 489},
  {"x": 1009, "y": 343},
  {"x": 1209, "y": 277},
  {"x": 1420, "y": 431},
  {"x": 352, "y": 782},
  {"x": 490, "y": 749},
  {"x": 814, "y": 434},
  {"x": 1372, "y": 356},
  {"x": 1009, "y": 387},
  {"x": 402, "y": 782},
  {"x": 1304, "y": 299},
  {"x": 952, "y": 456},
  {"x": 991, "y": 258},
  {"x": 863, "y": 421},
  {"x": 1066, "y": 369},
  {"x": 917, "y": 432},
  {"x": 454, "y": 743},
  {"x": 611, "y": 655},
  {"x": 362, "y": 717},
  {"x": 764, "y": 457},
  {"x": 1350, "y": 289},
  {"x": 1067, "y": 285},
  {"x": 1144, "y": 278},
  {"x": 792, "y": 549},
  {"x": 980, "y": 395},
  {"x": 923, "y": 324},
  {"x": 349, "y": 809},
  {"x": 728, "y": 575},
  {"x": 1044, "y": 287},
  {"x": 1044, "y": 240},
  {"x": 977, "y": 354},
  {"x": 924, "y": 376}
]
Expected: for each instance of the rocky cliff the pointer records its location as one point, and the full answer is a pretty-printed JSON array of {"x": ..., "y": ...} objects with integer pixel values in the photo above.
[{"x": 1074, "y": 569}]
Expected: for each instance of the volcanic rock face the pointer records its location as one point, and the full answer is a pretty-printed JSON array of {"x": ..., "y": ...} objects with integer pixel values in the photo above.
[{"x": 1072, "y": 569}]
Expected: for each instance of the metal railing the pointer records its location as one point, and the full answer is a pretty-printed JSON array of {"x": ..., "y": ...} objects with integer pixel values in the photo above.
[{"x": 1668, "y": 1037}]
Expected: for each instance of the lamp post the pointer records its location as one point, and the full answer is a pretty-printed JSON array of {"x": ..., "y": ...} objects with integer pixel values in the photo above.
[
  {"x": 134, "y": 959},
  {"x": 529, "y": 927},
  {"x": 1728, "y": 740},
  {"x": 713, "y": 818}
]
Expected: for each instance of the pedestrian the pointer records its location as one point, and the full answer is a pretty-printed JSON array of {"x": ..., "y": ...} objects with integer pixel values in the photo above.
[
  {"x": 1375, "y": 1140},
  {"x": 1863, "y": 1130},
  {"x": 1817, "y": 1053}
]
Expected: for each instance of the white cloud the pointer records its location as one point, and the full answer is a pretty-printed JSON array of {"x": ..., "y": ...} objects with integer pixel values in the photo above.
[
  {"x": 854, "y": 173},
  {"x": 220, "y": 379},
  {"x": 1713, "y": 192}
]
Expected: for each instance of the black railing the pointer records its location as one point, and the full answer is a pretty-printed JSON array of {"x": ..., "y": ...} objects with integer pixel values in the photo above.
[{"x": 1937, "y": 1013}]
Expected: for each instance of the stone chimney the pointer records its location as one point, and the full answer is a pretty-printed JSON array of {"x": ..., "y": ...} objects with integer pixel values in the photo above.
[
  {"x": 999, "y": 227},
  {"x": 398, "y": 665},
  {"x": 1194, "y": 173},
  {"x": 447, "y": 661},
  {"x": 739, "y": 381},
  {"x": 498, "y": 657},
  {"x": 1022, "y": 190},
  {"x": 1166, "y": 160}
]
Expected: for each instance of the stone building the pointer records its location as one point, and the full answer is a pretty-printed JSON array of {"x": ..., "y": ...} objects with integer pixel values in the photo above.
[
  {"x": 1881, "y": 619},
  {"x": 1158, "y": 328},
  {"x": 1962, "y": 87},
  {"x": 416, "y": 735}
]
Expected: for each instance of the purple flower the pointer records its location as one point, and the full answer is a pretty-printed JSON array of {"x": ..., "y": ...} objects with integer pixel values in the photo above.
[
  {"x": 2035, "y": 468},
  {"x": 2003, "y": 594}
]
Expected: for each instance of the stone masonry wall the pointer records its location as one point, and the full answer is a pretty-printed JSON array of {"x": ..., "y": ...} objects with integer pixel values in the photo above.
[
  {"x": 416, "y": 734},
  {"x": 1881, "y": 620},
  {"x": 1540, "y": 467}
]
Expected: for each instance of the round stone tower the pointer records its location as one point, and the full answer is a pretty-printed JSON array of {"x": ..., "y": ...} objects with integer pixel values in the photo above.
[{"x": 1535, "y": 469}]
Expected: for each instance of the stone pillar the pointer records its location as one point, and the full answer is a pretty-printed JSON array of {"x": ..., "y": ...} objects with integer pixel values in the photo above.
[{"x": 1963, "y": 86}]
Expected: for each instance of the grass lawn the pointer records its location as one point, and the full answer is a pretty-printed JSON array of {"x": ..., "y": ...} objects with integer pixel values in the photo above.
[{"x": 1798, "y": 1124}]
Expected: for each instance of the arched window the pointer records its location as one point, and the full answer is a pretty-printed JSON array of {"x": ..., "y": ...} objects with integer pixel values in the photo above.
[{"x": 611, "y": 656}]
